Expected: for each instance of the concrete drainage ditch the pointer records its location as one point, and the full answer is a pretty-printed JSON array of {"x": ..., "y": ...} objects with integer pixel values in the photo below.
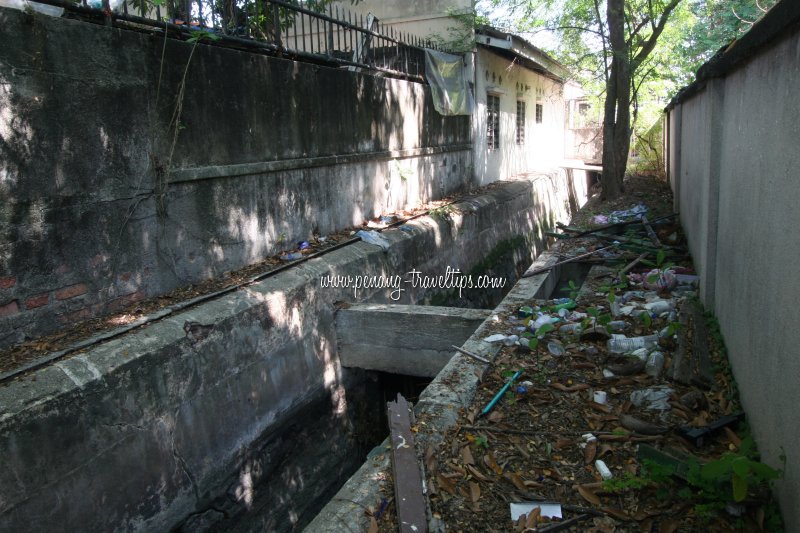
[
  {"x": 253, "y": 421},
  {"x": 437, "y": 407}
]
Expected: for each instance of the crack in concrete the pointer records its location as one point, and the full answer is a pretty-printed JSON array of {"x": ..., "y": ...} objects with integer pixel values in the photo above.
[{"x": 181, "y": 462}]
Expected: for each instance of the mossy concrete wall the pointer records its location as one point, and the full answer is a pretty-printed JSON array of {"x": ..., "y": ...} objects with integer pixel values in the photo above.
[{"x": 104, "y": 202}]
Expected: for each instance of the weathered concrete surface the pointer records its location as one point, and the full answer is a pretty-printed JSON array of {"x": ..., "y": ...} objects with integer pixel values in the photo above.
[
  {"x": 411, "y": 340},
  {"x": 436, "y": 411},
  {"x": 198, "y": 420},
  {"x": 103, "y": 203},
  {"x": 743, "y": 235}
]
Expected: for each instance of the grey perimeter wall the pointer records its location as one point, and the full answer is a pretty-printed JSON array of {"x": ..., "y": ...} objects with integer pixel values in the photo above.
[
  {"x": 103, "y": 204},
  {"x": 734, "y": 162}
]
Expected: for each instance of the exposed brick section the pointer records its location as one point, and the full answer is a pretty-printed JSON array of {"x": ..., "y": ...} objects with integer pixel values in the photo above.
[
  {"x": 37, "y": 301},
  {"x": 71, "y": 291},
  {"x": 75, "y": 316},
  {"x": 9, "y": 309},
  {"x": 7, "y": 282},
  {"x": 124, "y": 301}
]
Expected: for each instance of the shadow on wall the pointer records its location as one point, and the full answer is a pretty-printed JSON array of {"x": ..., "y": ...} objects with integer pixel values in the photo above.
[{"x": 123, "y": 176}]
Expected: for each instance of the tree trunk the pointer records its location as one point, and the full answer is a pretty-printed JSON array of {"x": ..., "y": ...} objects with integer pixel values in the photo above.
[{"x": 616, "y": 116}]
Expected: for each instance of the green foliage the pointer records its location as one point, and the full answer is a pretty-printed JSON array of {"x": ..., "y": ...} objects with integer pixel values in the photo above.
[
  {"x": 510, "y": 397},
  {"x": 732, "y": 475},
  {"x": 544, "y": 328},
  {"x": 653, "y": 473},
  {"x": 460, "y": 36},
  {"x": 573, "y": 290},
  {"x": 627, "y": 482},
  {"x": 482, "y": 441},
  {"x": 442, "y": 212},
  {"x": 646, "y": 319},
  {"x": 197, "y": 36}
]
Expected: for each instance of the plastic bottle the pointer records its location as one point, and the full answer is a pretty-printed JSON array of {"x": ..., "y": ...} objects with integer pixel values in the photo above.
[
  {"x": 655, "y": 362},
  {"x": 541, "y": 321},
  {"x": 603, "y": 469},
  {"x": 511, "y": 340},
  {"x": 659, "y": 306},
  {"x": 555, "y": 348},
  {"x": 617, "y": 325},
  {"x": 570, "y": 328},
  {"x": 563, "y": 303},
  {"x": 622, "y": 344}
]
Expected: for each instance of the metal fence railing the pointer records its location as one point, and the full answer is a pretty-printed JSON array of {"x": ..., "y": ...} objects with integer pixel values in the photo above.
[{"x": 299, "y": 29}]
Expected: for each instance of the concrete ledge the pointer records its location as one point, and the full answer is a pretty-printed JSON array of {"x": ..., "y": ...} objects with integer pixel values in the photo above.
[
  {"x": 230, "y": 171},
  {"x": 412, "y": 340},
  {"x": 437, "y": 411}
]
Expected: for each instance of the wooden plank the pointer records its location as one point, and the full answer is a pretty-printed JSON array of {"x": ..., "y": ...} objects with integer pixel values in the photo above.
[
  {"x": 408, "y": 497},
  {"x": 682, "y": 359},
  {"x": 651, "y": 233},
  {"x": 703, "y": 375}
]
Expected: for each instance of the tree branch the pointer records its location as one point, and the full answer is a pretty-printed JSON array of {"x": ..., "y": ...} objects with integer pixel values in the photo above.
[
  {"x": 605, "y": 49},
  {"x": 651, "y": 42}
]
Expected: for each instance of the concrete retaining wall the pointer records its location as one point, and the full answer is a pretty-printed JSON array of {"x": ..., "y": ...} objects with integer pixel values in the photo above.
[
  {"x": 734, "y": 161},
  {"x": 103, "y": 202},
  {"x": 234, "y": 414}
]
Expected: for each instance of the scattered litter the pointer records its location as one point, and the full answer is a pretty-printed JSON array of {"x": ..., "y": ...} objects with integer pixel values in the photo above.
[
  {"x": 547, "y": 510},
  {"x": 373, "y": 237},
  {"x": 525, "y": 312},
  {"x": 655, "y": 362},
  {"x": 292, "y": 256},
  {"x": 600, "y": 397},
  {"x": 602, "y": 469},
  {"x": 617, "y": 325},
  {"x": 556, "y": 348},
  {"x": 660, "y": 306},
  {"x": 655, "y": 398},
  {"x": 499, "y": 395},
  {"x": 497, "y": 337},
  {"x": 623, "y": 344},
  {"x": 697, "y": 436},
  {"x": 303, "y": 245},
  {"x": 632, "y": 366},
  {"x": 635, "y": 212},
  {"x": 542, "y": 320},
  {"x": 593, "y": 334},
  {"x": 660, "y": 280},
  {"x": 570, "y": 328}
]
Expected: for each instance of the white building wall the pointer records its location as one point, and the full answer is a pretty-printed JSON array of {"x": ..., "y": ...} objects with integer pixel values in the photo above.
[
  {"x": 543, "y": 148},
  {"x": 426, "y": 19}
]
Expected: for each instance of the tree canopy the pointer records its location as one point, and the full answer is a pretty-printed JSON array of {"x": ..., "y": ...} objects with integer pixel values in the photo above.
[{"x": 633, "y": 55}]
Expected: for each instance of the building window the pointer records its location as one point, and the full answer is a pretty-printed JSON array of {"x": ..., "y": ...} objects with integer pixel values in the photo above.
[
  {"x": 520, "y": 122},
  {"x": 539, "y": 113},
  {"x": 492, "y": 121}
]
